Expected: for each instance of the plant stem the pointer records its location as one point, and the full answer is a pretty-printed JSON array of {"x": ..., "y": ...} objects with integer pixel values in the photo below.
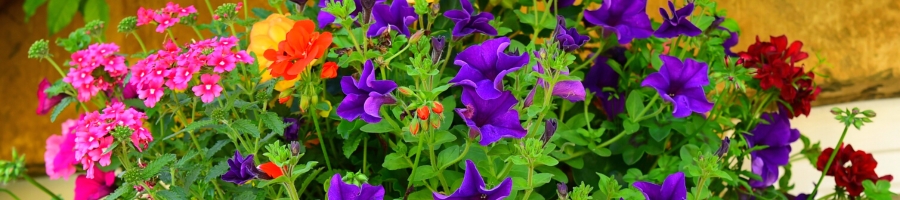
[
  {"x": 365, "y": 154},
  {"x": 292, "y": 191},
  {"x": 231, "y": 26},
  {"x": 39, "y": 186},
  {"x": 353, "y": 38},
  {"x": 831, "y": 159},
  {"x": 398, "y": 53},
  {"x": 530, "y": 183},
  {"x": 321, "y": 140},
  {"x": 416, "y": 163},
  {"x": 246, "y": 13},
  {"x": 209, "y": 6},
  {"x": 50, "y": 60},
  {"x": 459, "y": 158},
  {"x": 10, "y": 193},
  {"x": 197, "y": 31}
]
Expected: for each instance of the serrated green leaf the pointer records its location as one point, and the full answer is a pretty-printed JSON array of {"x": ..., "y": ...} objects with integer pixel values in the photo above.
[
  {"x": 273, "y": 122},
  {"x": 187, "y": 157},
  {"x": 62, "y": 12},
  {"x": 31, "y": 7},
  {"x": 119, "y": 191},
  {"x": 217, "y": 170},
  {"x": 153, "y": 167},
  {"x": 197, "y": 125},
  {"x": 60, "y": 107},
  {"x": 246, "y": 195},
  {"x": 246, "y": 126},
  {"x": 394, "y": 161},
  {"x": 215, "y": 148}
]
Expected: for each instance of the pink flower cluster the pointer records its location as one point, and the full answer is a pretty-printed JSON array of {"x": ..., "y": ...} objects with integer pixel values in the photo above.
[
  {"x": 93, "y": 134},
  {"x": 174, "y": 69},
  {"x": 84, "y": 77},
  {"x": 59, "y": 159},
  {"x": 166, "y": 17}
]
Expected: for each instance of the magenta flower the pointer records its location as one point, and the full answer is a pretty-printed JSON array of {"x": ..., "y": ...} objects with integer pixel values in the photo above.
[
  {"x": 221, "y": 61},
  {"x": 181, "y": 76},
  {"x": 165, "y": 21},
  {"x": 242, "y": 169},
  {"x": 397, "y": 17},
  {"x": 242, "y": 56},
  {"x": 366, "y": 96},
  {"x": 95, "y": 185},
  {"x": 672, "y": 188},
  {"x": 467, "y": 21},
  {"x": 45, "y": 103},
  {"x": 473, "y": 187},
  {"x": 678, "y": 24},
  {"x": 491, "y": 119},
  {"x": 628, "y": 19},
  {"x": 777, "y": 135},
  {"x": 340, "y": 190},
  {"x": 59, "y": 159},
  {"x": 681, "y": 84},
  {"x": 482, "y": 67},
  {"x": 209, "y": 88},
  {"x": 145, "y": 16},
  {"x": 571, "y": 90},
  {"x": 151, "y": 94},
  {"x": 185, "y": 11}
]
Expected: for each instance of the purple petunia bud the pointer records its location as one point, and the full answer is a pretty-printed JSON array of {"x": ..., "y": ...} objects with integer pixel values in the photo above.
[
  {"x": 562, "y": 190},
  {"x": 367, "y": 6},
  {"x": 437, "y": 48},
  {"x": 724, "y": 148},
  {"x": 549, "y": 129},
  {"x": 295, "y": 148},
  {"x": 301, "y": 4}
]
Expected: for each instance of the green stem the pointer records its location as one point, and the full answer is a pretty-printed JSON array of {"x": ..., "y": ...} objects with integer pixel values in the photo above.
[
  {"x": 278, "y": 8},
  {"x": 39, "y": 186},
  {"x": 830, "y": 159},
  {"x": 398, "y": 53},
  {"x": 10, "y": 193},
  {"x": 459, "y": 158},
  {"x": 416, "y": 163},
  {"x": 446, "y": 57},
  {"x": 231, "y": 26},
  {"x": 58, "y": 69},
  {"x": 530, "y": 184},
  {"x": 292, "y": 191},
  {"x": 365, "y": 154},
  {"x": 197, "y": 31},
  {"x": 321, "y": 140},
  {"x": 246, "y": 13},
  {"x": 353, "y": 39},
  {"x": 209, "y": 6},
  {"x": 171, "y": 36}
]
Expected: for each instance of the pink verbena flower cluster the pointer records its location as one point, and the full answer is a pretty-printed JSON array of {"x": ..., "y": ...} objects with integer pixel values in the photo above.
[
  {"x": 165, "y": 17},
  {"x": 93, "y": 134},
  {"x": 174, "y": 69},
  {"x": 59, "y": 159},
  {"x": 84, "y": 76}
]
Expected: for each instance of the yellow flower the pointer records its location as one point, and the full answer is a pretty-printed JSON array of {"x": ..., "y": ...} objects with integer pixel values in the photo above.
[{"x": 265, "y": 35}]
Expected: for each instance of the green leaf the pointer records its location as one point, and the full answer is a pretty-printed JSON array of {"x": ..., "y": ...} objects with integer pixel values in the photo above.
[
  {"x": 659, "y": 133},
  {"x": 634, "y": 103},
  {"x": 558, "y": 174},
  {"x": 31, "y": 7},
  {"x": 438, "y": 90},
  {"x": 604, "y": 152},
  {"x": 218, "y": 170},
  {"x": 246, "y": 195},
  {"x": 448, "y": 155},
  {"x": 274, "y": 122},
  {"x": 303, "y": 168},
  {"x": 518, "y": 160},
  {"x": 703, "y": 21},
  {"x": 196, "y": 125},
  {"x": 246, "y": 126},
  {"x": 380, "y": 127},
  {"x": 442, "y": 137},
  {"x": 630, "y": 126},
  {"x": 345, "y": 128},
  {"x": 731, "y": 25},
  {"x": 261, "y": 12},
  {"x": 879, "y": 191},
  {"x": 632, "y": 155},
  {"x": 187, "y": 157},
  {"x": 352, "y": 144},
  {"x": 120, "y": 191},
  {"x": 96, "y": 10},
  {"x": 215, "y": 148},
  {"x": 423, "y": 172},
  {"x": 61, "y": 14},
  {"x": 394, "y": 161},
  {"x": 60, "y": 107},
  {"x": 153, "y": 168},
  {"x": 541, "y": 179},
  {"x": 547, "y": 160}
]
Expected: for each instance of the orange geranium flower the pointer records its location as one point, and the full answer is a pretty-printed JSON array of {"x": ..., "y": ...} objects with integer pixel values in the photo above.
[
  {"x": 301, "y": 48},
  {"x": 329, "y": 70},
  {"x": 271, "y": 169}
]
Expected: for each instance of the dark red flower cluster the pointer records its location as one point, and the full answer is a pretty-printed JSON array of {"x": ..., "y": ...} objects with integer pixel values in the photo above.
[
  {"x": 861, "y": 168},
  {"x": 774, "y": 62}
]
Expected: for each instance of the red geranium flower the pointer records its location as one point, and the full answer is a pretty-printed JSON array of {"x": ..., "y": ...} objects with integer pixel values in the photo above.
[
  {"x": 861, "y": 168},
  {"x": 302, "y": 46},
  {"x": 271, "y": 169},
  {"x": 775, "y": 68}
]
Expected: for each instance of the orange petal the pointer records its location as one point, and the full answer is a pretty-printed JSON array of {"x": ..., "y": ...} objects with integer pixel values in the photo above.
[{"x": 271, "y": 169}]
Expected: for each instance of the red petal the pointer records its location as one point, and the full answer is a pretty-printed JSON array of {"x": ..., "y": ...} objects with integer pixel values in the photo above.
[{"x": 271, "y": 169}]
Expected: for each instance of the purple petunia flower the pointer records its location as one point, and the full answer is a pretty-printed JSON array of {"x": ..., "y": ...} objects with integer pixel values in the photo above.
[
  {"x": 339, "y": 190},
  {"x": 492, "y": 119},
  {"x": 731, "y": 41},
  {"x": 628, "y": 19},
  {"x": 242, "y": 169},
  {"x": 397, "y": 16},
  {"x": 468, "y": 22},
  {"x": 564, "y": 3},
  {"x": 292, "y": 131},
  {"x": 571, "y": 90},
  {"x": 482, "y": 67},
  {"x": 473, "y": 187},
  {"x": 681, "y": 84},
  {"x": 365, "y": 97},
  {"x": 672, "y": 188},
  {"x": 678, "y": 24},
  {"x": 778, "y": 136},
  {"x": 569, "y": 39},
  {"x": 602, "y": 75}
]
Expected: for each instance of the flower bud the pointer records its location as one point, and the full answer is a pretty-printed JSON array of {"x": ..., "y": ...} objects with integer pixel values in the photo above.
[
  {"x": 304, "y": 103},
  {"x": 726, "y": 143},
  {"x": 122, "y": 133},
  {"x": 295, "y": 148},
  {"x": 39, "y": 49},
  {"x": 226, "y": 12},
  {"x": 436, "y": 123},
  {"x": 836, "y": 111},
  {"x": 549, "y": 129},
  {"x": 437, "y": 48},
  {"x": 422, "y": 112},
  {"x": 94, "y": 28},
  {"x": 562, "y": 190},
  {"x": 133, "y": 177},
  {"x": 219, "y": 115},
  {"x": 128, "y": 24},
  {"x": 414, "y": 127},
  {"x": 437, "y": 107},
  {"x": 416, "y": 36},
  {"x": 189, "y": 20},
  {"x": 367, "y": 6},
  {"x": 405, "y": 90},
  {"x": 855, "y": 111},
  {"x": 869, "y": 113},
  {"x": 435, "y": 8}
]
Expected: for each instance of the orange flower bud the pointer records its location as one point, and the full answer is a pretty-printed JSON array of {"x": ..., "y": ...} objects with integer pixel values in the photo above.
[
  {"x": 414, "y": 127},
  {"x": 405, "y": 91},
  {"x": 329, "y": 70},
  {"x": 422, "y": 112},
  {"x": 436, "y": 123},
  {"x": 437, "y": 108}
]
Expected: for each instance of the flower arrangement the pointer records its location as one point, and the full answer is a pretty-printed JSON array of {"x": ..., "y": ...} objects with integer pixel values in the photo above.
[{"x": 444, "y": 99}]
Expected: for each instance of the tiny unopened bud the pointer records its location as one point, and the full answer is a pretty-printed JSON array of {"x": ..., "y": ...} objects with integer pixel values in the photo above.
[
  {"x": 367, "y": 6},
  {"x": 435, "y": 8},
  {"x": 562, "y": 190},
  {"x": 437, "y": 107},
  {"x": 437, "y": 48},
  {"x": 549, "y": 129},
  {"x": 94, "y": 28},
  {"x": 219, "y": 115},
  {"x": 189, "y": 20},
  {"x": 724, "y": 148},
  {"x": 414, "y": 127},
  {"x": 416, "y": 36},
  {"x": 128, "y": 24},
  {"x": 295, "y": 148},
  {"x": 226, "y": 11},
  {"x": 869, "y": 113},
  {"x": 122, "y": 133},
  {"x": 422, "y": 112},
  {"x": 836, "y": 111},
  {"x": 855, "y": 111},
  {"x": 436, "y": 123},
  {"x": 132, "y": 176},
  {"x": 39, "y": 49},
  {"x": 405, "y": 91}
]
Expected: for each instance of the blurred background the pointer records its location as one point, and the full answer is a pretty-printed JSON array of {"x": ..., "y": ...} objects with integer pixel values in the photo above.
[{"x": 858, "y": 39}]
